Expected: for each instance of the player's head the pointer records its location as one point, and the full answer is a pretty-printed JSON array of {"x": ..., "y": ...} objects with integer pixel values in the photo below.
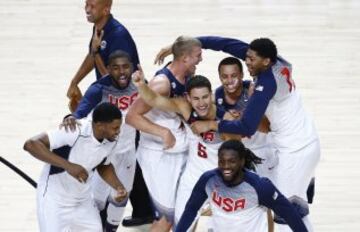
[
  {"x": 261, "y": 54},
  {"x": 199, "y": 94},
  {"x": 233, "y": 158},
  {"x": 96, "y": 10},
  {"x": 231, "y": 74},
  {"x": 106, "y": 120},
  {"x": 188, "y": 51},
  {"x": 120, "y": 68}
]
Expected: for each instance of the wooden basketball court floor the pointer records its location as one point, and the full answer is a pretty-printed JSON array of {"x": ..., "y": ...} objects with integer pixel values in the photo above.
[{"x": 42, "y": 44}]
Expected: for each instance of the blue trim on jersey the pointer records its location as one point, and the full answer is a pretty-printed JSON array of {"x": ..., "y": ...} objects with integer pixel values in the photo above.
[
  {"x": 267, "y": 193},
  {"x": 196, "y": 200},
  {"x": 116, "y": 37},
  {"x": 63, "y": 152},
  {"x": 177, "y": 89},
  {"x": 272, "y": 198}
]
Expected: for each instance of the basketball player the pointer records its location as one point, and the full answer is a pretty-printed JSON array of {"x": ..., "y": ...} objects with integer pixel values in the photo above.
[
  {"x": 117, "y": 89},
  {"x": 238, "y": 197},
  {"x": 64, "y": 196},
  {"x": 160, "y": 155},
  {"x": 293, "y": 132}
]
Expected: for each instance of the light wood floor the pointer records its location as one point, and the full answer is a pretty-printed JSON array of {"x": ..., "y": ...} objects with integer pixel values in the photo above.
[{"x": 42, "y": 43}]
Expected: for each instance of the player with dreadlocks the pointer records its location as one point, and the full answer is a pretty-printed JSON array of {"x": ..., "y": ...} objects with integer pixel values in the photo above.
[{"x": 238, "y": 197}]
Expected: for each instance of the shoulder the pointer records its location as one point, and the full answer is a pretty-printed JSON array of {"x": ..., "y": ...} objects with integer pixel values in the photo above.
[
  {"x": 262, "y": 185},
  {"x": 161, "y": 84}
]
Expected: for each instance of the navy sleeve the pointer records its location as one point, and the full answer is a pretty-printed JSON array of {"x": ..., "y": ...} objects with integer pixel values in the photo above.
[
  {"x": 265, "y": 89},
  {"x": 232, "y": 46},
  {"x": 91, "y": 98},
  {"x": 123, "y": 41},
  {"x": 272, "y": 198},
  {"x": 196, "y": 200}
]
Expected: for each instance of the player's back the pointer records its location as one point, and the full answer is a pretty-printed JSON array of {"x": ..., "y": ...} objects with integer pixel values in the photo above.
[{"x": 291, "y": 126}]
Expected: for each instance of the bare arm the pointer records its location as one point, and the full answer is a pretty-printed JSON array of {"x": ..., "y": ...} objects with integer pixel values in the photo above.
[
  {"x": 178, "y": 105},
  {"x": 107, "y": 172},
  {"x": 135, "y": 116},
  {"x": 85, "y": 68},
  {"x": 38, "y": 147}
]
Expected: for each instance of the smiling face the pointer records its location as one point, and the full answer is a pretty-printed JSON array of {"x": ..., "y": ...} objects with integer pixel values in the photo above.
[
  {"x": 192, "y": 59},
  {"x": 111, "y": 130},
  {"x": 95, "y": 10},
  {"x": 255, "y": 63},
  {"x": 120, "y": 69},
  {"x": 200, "y": 100},
  {"x": 231, "y": 166},
  {"x": 230, "y": 77}
]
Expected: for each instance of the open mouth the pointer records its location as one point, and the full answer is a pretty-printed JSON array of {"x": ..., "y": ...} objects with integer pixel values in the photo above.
[{"x": 227, "y": 173}]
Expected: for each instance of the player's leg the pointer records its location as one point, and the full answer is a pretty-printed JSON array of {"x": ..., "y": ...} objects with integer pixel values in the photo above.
[
  {"x": 295, "y": 171},
  {"x": 161, "y": 171},
  {"x": 140, "y": 200},
  {"x": 86, "y": 217}
]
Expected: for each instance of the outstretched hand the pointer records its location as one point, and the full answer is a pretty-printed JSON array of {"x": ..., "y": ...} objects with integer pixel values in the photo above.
[{"x": 160, "y": 57}]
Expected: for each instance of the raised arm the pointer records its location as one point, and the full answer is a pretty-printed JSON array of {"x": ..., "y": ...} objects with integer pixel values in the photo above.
[
  {"x": 234, "y": 47},
  {"x": 155, "y": 100},
  {"x": 135, "y": 116}
]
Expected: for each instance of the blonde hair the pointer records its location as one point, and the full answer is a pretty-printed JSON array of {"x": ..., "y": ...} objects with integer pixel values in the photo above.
[{"x": 183, "y": 45}]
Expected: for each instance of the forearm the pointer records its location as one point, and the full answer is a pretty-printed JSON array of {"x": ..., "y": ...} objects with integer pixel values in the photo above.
[
  {"x": 99, "y": 63},
  {"x": 143, "y": 124},
  {"x": 38, "y": 149},
  {"x": 85, "y": 68},
  {"x": 107, "y": 172}
]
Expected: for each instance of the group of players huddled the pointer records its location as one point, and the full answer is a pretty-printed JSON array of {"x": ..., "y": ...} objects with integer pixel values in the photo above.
[{"x": 243, "y": 154}]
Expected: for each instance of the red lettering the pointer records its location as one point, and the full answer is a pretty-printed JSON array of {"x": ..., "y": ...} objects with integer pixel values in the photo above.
[
  {"x": 216, "y": 198},
  {"x": 122, "y": 102},
  {"x": 286, "y": 73},
  {"x": 239, "y": 203},
  {"x": 228, "y": 204},
  {"x": 202, "y": 151}
]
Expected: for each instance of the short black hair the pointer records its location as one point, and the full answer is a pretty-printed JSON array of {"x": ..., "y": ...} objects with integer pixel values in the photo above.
[
  {"x": 251, "y": 160},
  {"x": 230, "y": 61},
  {"x": 197, "y": 81},
  {"x": 119, "y": 54},
  {"x": 106, "y": 112},
  {"x": 265, "y": 48}
]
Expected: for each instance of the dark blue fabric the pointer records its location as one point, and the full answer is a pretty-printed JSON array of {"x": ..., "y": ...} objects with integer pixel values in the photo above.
[
  {"x": 117, "y": 37},
  {"x": 258, "y": 102},
  {"x": 177, "y": 89},
  {"x": 63, "y": 152},
  {"x": 92, "y": 97}
]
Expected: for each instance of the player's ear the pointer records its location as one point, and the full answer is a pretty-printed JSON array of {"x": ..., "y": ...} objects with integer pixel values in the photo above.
[
  {"x": 187, "y": 96},
  {"x": 266, "y": 62}
]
